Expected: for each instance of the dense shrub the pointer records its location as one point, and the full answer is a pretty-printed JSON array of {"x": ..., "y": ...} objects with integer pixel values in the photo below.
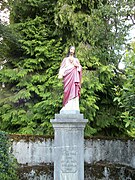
[{"x": 8, "y": 165}]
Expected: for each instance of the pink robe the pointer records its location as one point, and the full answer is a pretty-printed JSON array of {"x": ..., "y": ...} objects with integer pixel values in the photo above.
[{"x": 72, "y": 81}]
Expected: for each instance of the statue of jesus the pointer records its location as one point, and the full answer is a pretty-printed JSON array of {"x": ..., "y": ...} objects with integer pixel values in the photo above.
[{"x": 71, "y": 73}]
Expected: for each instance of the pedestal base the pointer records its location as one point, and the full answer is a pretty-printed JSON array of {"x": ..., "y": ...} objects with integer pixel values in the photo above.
[{"x": 69, "y": 146}]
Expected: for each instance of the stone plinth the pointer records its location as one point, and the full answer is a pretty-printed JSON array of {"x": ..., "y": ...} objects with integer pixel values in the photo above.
[{"x": 69, "y": 146}]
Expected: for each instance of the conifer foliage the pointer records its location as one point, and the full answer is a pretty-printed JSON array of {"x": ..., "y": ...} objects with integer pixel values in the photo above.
[
  {"x": 29, "y": 98},
  {"x": 40, "y": 34},
  {"x": 126, "y": 96}
]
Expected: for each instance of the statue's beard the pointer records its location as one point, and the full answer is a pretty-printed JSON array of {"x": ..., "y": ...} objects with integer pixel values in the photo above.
[{"x": 72, "y": 53}]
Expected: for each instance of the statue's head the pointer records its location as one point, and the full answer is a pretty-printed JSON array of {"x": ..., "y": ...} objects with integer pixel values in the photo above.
[{"x": 71, "y": 51}]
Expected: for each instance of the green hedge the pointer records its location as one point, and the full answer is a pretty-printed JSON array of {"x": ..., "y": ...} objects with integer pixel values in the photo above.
[{"x": 8, "y": 165}]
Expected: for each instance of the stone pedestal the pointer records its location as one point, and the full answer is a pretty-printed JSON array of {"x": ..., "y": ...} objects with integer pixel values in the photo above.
[{"x": 69, "y": 146}]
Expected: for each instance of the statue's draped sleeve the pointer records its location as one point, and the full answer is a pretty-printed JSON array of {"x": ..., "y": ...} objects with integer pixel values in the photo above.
[{"x": 62, "y": 69}]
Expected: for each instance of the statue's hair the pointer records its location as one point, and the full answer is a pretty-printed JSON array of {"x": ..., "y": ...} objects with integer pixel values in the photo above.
[{"x": 69, "y": 51}]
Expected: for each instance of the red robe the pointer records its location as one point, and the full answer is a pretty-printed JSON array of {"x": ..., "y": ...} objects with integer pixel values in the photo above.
[{"x": 72, "y": 81}]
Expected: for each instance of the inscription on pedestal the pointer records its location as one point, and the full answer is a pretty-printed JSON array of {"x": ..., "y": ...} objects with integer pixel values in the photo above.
[{"x": 69, "y": 161}]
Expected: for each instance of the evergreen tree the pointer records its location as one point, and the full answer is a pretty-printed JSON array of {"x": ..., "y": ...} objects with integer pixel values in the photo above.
[
  {"x": 29, "y": 98},
  {"x": 42, "y": 31},
  {"x": 98, "y": 29},
  {"x": 126, "y": 95}
]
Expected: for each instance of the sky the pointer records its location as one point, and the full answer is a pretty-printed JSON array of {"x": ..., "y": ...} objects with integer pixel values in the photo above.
[{"x": 4, "y": 16}]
